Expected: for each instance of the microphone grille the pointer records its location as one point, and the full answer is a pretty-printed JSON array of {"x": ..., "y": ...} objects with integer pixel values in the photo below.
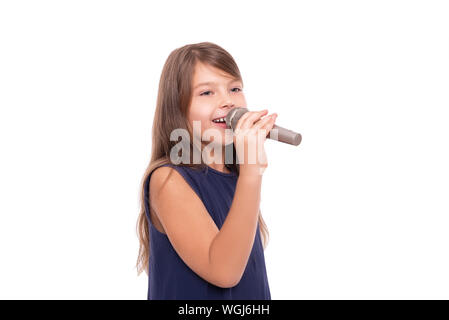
[{"x": 233, "y": 116}]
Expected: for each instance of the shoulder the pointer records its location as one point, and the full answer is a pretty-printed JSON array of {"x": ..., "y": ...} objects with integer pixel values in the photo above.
[
  {"x": 162, "y": 176},
  {"x": 161, "y": 173},
  {"x": 167, "y": 182}
]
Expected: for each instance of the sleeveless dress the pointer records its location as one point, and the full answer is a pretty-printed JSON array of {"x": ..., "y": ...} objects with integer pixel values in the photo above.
[{"x": 170, "y": 278}]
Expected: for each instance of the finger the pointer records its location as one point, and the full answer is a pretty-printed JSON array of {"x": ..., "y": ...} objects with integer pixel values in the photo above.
[
  {"x": 253, "y": 117},
  {"x": 270, "y": 124},
  {"x": 245, "y": 116},
  {"x": 262, "y": 122},
  {"x": 264, "y": 126},
  {"x": 242, "y": 118}
]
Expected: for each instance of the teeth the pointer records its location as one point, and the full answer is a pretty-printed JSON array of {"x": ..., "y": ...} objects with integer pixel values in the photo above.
[{"x": 219, "y": 120}]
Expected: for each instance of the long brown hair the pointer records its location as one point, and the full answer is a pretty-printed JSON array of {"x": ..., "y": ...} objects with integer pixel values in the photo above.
[{"x": 173, "y": 100}]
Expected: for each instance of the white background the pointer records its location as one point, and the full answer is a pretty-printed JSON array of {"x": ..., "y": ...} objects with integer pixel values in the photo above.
[{"x": 358, "y": 211}]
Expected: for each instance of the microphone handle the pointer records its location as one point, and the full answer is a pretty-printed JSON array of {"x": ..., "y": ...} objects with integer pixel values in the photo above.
[{"x": 284, "y": 135}]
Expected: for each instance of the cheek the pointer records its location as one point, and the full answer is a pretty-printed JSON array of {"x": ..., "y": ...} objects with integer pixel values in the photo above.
[
  {"x": 200, "y": 119},
  {"x": 200, "y": 113},
  {"x": 199, "y": 122},
  {"x": 241, "y": 100}
]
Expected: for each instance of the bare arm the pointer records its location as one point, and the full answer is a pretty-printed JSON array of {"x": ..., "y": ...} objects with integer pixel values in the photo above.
[
  {"x": 186, "y": 222},
  {"x": 230, "y": 249},
  {"x": 218, "y": 256}
]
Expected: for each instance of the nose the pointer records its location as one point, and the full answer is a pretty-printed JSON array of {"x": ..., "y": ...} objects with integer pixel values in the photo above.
[{"x": 228, "y": 104}]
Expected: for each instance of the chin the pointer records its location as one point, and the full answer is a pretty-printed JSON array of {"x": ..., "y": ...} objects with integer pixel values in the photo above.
[{"x": 222, "y": 136}]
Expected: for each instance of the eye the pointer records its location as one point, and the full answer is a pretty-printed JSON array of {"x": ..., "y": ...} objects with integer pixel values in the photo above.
[
  {"x": 206, "y": 93},
  {"x": 203, "y": 93}
]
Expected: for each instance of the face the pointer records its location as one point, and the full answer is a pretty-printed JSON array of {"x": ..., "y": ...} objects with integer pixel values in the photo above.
[{"x": 214, "y": 94}]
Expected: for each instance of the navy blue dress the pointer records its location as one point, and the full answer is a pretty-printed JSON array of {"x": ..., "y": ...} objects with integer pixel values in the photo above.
[{"x": 170, "y": 278}]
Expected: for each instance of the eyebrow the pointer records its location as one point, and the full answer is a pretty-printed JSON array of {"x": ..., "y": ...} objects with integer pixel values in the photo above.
[{"x": 212, "y": 82}]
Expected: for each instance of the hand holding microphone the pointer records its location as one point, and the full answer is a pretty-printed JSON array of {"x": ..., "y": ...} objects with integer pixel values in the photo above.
[
  {"x": 249, "y": 143},
  {"x": 283, "y": 135}
]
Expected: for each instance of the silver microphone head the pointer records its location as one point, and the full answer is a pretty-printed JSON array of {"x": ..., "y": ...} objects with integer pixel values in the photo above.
[{"x": 233, "y": 117}]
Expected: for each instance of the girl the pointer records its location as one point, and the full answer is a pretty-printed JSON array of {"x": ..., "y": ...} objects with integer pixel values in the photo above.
[{"x": 200, "y": 227}]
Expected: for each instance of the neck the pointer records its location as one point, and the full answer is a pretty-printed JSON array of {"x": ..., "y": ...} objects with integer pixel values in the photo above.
[{"x": 216, "y": 162}]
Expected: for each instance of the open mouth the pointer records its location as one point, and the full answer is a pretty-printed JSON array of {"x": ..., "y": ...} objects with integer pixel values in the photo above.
[{"x": 219, "y": 120}]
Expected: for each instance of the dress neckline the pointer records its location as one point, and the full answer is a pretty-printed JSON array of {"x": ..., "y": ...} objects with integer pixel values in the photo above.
[{"x": 226, "y": 174}]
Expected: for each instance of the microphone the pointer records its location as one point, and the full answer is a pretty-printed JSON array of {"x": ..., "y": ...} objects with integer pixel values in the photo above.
[{"x": 284, "y": 135}]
